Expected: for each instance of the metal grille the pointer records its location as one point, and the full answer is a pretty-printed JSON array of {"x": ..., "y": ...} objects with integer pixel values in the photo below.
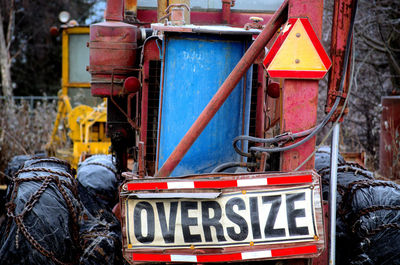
[
  {"x": 153, "y": 105},
  {"x": 253, "y": 106}
]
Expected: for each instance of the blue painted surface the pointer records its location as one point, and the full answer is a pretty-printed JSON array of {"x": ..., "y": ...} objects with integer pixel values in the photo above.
[{"x": 195, "y": 67}]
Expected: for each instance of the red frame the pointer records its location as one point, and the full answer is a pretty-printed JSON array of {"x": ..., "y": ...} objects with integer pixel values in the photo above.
[{"x": 297, "y": 250}]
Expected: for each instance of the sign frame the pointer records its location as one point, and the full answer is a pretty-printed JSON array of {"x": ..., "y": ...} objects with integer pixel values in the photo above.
[
  {"x": 280, "y": 41},
  {"x": 274, "y": 182}
]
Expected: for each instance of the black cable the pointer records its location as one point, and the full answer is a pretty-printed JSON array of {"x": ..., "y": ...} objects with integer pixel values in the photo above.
[
  {"x": 227, "y": 165},
  {"x": 327, "y": 117},
  {"x": 277, "y": 139}
]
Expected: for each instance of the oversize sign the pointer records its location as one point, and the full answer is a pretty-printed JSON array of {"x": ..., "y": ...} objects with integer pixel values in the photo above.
[{"x": 233, "y": 219}]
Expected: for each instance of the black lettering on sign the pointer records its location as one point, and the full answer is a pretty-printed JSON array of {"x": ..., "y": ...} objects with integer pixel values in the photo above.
[
  {"x": 168, "y": 231},
  {"x": 137, "y": 222},
  {"x": 212, "y": 221},
  {"x": 237, "y": 219},
  {"x": 273, "y": 213},
  {"x": 189, "y": 221},
  {"x": 293, "y": 213},
  {"x": 255, "y": 220}
]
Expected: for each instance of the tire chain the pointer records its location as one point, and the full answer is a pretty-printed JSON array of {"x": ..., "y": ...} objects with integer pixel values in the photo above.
[
  {"x": 46, "y": 181},
  {"x": 352, "y": 188}
]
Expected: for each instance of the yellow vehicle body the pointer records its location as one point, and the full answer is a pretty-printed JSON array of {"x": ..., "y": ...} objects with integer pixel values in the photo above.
[{"x": 79, "y": 129}]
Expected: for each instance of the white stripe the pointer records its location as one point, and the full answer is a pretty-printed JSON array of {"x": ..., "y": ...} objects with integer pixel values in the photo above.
[
  {"x": 252, "y": 182},
  {"x": 257, "y": 254},
  {"x": 180, "y": 185},
  {"x": 187, "y": 258}
]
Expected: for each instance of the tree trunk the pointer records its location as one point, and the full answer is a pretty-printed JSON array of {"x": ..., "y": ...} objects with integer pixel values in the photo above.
[{"x": 5, "y": 63}]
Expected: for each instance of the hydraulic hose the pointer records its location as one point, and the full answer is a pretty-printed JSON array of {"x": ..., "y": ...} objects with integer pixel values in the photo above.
[
  {"x": 316, "y": 129},
  {"x": 277, "y": 139},
  {"x": 227, "y": 165}
]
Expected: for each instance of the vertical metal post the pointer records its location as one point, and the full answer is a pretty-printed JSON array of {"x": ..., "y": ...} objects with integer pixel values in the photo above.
[
  {"x": 300, "y": 97},
  {"x": 333, "y": 190}
]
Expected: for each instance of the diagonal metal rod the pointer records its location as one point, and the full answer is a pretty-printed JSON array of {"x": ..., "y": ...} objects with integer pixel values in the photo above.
[{"x": 224, "y": 91}]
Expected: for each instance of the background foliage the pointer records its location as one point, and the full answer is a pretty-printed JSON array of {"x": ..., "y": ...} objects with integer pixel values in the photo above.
[
  {"x": 376, "y": 73},
  {"x": 36, "y": 55}
]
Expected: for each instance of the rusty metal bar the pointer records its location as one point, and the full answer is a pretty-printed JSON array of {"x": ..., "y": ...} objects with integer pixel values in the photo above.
[
  {"x": 340, "y": 29},
  {"x": 115, "y": 10},
  {"x": 389, "y": 166},
  {"x": 226, "y": 11},
  {"x": 224, "y": 91}
]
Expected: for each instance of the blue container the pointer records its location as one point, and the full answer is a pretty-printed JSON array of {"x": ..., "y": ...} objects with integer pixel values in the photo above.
[{"x": 195, "y": 66}]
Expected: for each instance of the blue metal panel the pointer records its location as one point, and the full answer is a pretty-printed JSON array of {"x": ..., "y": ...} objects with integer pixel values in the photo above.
[{"x": 195, "y": 67}]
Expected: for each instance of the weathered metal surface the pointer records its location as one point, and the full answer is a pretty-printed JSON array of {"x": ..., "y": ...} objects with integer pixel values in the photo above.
[
  {"x": 206, "y": 18},
  {"x": 240, "y": 6},
  {"x": 114, "y": 10},
  {"x": 185, "y": 4},
  {"x": 226, "y": 11},
  {"x": 248, "y": 246},
  {"x": 224, "y": 91},
  {"x": 300, "y": 97},
  {"x": 151, "y": 54},
  {"x": 112, "y": 51},
  {"x": 260, "y": 114},
  {"x": 213, "y": 29},
  {"x": 194, "y": 67},
  {"x": 340, "y": 29},
  {"x": 389, "y": 147},
  {"x": 355, "y": 157},
  {"x": 164, "y": 11}
]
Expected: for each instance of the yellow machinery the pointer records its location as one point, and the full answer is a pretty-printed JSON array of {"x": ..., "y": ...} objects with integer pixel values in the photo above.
[{"x": 79, "y": 128}]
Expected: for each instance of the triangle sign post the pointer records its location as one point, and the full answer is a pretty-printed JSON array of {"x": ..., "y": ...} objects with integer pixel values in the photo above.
[{"x": 297, "y": 53}]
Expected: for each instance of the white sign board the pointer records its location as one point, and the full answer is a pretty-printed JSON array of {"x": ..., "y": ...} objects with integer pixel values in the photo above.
[{"x": 232, "y": 219}]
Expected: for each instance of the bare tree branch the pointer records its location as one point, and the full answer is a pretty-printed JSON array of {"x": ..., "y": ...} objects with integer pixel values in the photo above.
[
  {"x": 11, "y": 23},
  {"x": 373, "y": 44}
]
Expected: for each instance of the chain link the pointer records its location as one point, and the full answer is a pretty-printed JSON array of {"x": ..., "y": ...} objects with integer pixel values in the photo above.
[{"x": 46, "y": 181}]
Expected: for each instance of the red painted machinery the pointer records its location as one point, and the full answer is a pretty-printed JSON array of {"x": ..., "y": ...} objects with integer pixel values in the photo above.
[{"x": 174, "y": 86}]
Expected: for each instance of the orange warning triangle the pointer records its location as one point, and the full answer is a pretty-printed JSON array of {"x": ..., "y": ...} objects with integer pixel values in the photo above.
[{"x": 297, "y": 53}]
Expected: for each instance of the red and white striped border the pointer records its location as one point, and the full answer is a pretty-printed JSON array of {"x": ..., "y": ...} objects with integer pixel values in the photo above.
[
  {"x": 219, "y": 184},
  {"x": 262, "y": 254}
]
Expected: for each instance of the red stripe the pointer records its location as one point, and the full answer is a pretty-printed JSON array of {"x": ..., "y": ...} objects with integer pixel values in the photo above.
[
  {"x": 278, "y": 43},
  {"x": 296, "y": 74},
  {"x": 215, "y": 184},
  {"x": 294, "y": 251},
  {"x": 220, "y": 184},
  {"x": 228, "y": 257},
  {"x": 219, "y": 257},
  {"x": 316, "y": 42},
  {"x": 290, "y": 180},
  {"x": 151, "y": 257},
  {"x": 147, "y": 186}
]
